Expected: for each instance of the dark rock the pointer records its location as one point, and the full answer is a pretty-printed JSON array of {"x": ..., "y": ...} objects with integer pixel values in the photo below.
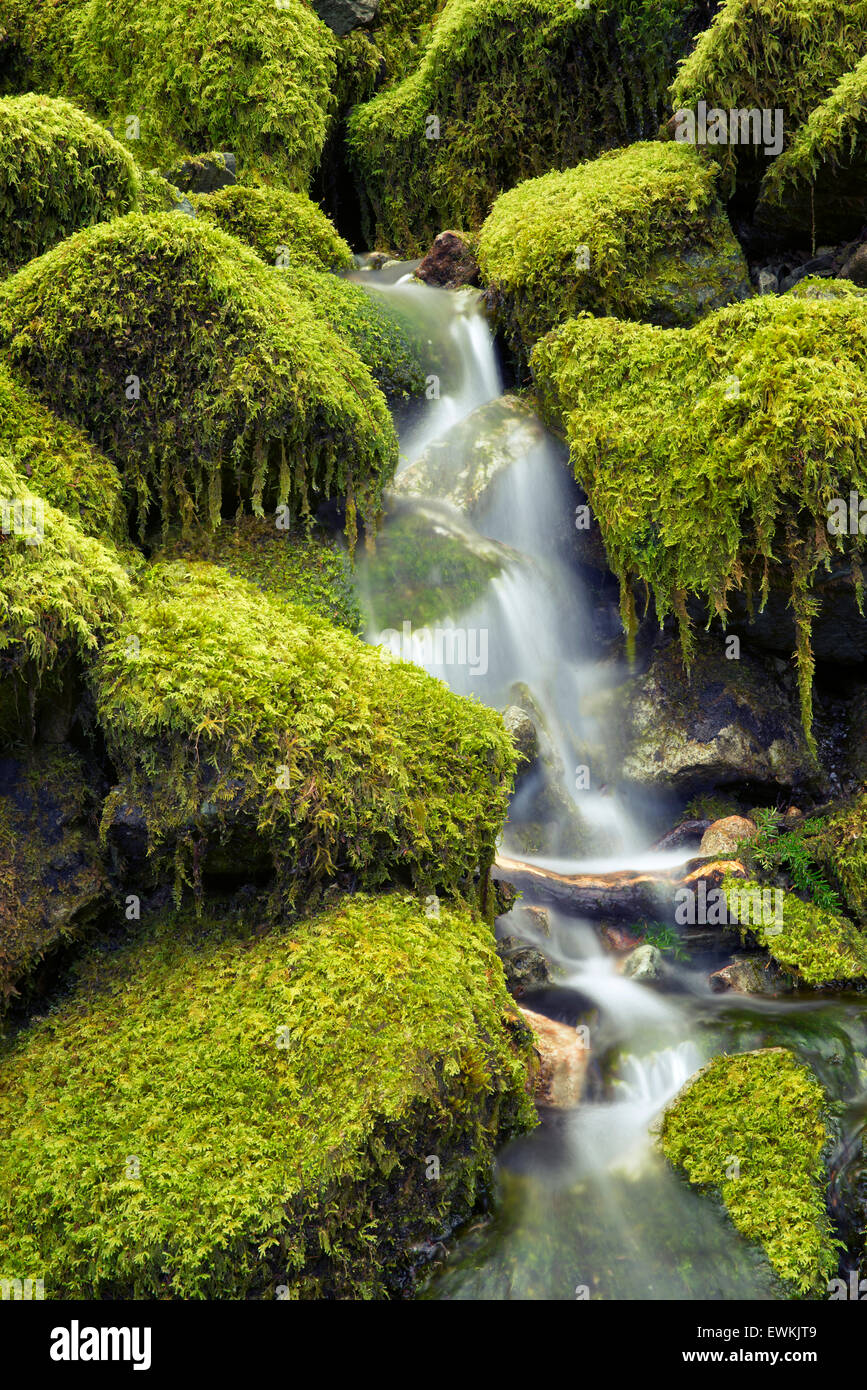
[
  {"x": 204, "y": 173},
  {"x": 819, "y": 265},
  {"x": 523, "y": 966},
  {"x": 522, "y": 731},
  {"x": 855, "y": 266},
  {"x": 342, "y": 16},
  {"x": 688, "y": 833},
  {"x": 449, "y": 263}
]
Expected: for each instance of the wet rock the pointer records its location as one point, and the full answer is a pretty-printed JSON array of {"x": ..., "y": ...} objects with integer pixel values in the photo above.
[
  {"x": 563, "y": 1057},
  {"x": 839, "y": 634},
  {"x": 688, "y": 833},
  {"x": 723, "y": 836},
  {"x": 524, "y": 966},
  {"x": 378, "y": 260},
  {"x": 463, "y": 467},
  {"x": 204, "y": 173},
  {"x": 342, "y": 16},
  {"x": 449, "y": 263},
  {"x": 644, "y": 964},
  {"x": 619, "y": 939},
  {"x": 751, "y": 975},
  {"x": 855, "y": 266},
  {"x": 767, "y": 282},
  {"x": 522, "y": 731}
]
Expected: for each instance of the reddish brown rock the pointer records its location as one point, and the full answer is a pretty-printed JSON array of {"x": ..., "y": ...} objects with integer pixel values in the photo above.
[
  {"x": 563, "y": 1057},
  {"x": 449, "y": 263}
]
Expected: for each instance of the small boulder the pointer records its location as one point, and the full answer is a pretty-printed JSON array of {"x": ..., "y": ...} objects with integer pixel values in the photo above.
[
  {"x": 522, "y": 732},
  {"x": 855, "y": 267},
  {"x": 750, "y": 975},
  {"x": 449, "y": 264},
  {"x": 342, "y": 16},
  {"x": 563, "y": 1057},
  {"x": 523, "y": 966},
  {"x": 723, "y": 836},
  {"x": 204, "y": 173},
  {"x": 644, "y": 964}
]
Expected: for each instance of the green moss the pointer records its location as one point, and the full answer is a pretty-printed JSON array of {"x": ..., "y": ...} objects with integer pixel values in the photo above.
[
  {"x": 239, "y": 386},
  {"x": 51, "y": 880},
  {"x": 59, "y": 461},
  {"x": 244, "y": 75},
  {"x": 156, "y": 194},
  {"x": 518, "y": 87},
  {"x": 816, "y": 944},
  {"x": 59, "y": 171},
  {"x": 819, "y": 182},
  {"x": 711, "y": 454},
  {"x": 284, "y": 228},
  {"x": 231, "y": 713},
  {"x": 60, "y": 590},
  {"x": 840, "y": 850},
  {"x": 768, "y": 1112},
  {"x": 637, "y": 233},
  {"x": 283, "y": 1097},
  {"x": 773, "y": 55},
  {"x": 309, "y": 569}
]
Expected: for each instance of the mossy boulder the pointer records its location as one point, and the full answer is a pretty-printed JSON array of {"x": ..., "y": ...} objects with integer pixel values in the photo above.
[
  {"x": 774, "y": 56},
  {"x": 156, "y": 193},
  {"x": 308, "y": 567},
  {"x": 52, "y": 883},
  {"x": 504, "y": 90},
  {"x": 197, "y": 370},
  {"x": 711, "y": 455},
  {"x": 839, "y": 846},
  {"x": 245, "y": 75},
  {"x": 814, "y": 944},
  {"x": 292, "y": 1115},
  {"x": 754, "y": 1129},
  {"x": 59, "y": 171},
  {"x": 59, "y": 461},
  {"x": 283, "y": 227},
  {"x": 241, "y": 723},
  {"x": 638, "y": 234}
]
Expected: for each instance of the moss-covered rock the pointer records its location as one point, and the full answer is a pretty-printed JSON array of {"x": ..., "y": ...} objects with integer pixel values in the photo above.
[
  {"x": 772, "y": 56},
  {"x": 839, "y": 846},
  {"x": 754, "y": 1128},
  {"x": 195, "y": 366},
  {"x": 283, "y": 227},
  {"x": 236, "y": 720},
  {"x": 52, "y": 884},
  {"x": 290, "y": 1116},
  {"x": 308, "y": 568},
  {"x": 638, "y": 233},
  {"x": 156, "y": 193},
  {"x": 59, "y": 461},
  {"x": 711, "y": 455},
  {"x": 245, "y": 75},
  {"x": 504, "y": 90},
  {"x": 815, "y": 944},
  {"x": 59, "y": 171}
]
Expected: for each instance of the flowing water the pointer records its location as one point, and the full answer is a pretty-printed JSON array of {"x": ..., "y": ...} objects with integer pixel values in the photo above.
[{"x": 585, "y": 1206}]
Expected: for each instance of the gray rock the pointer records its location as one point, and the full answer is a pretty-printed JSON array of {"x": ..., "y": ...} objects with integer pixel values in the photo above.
[
  {"x": 204, "y": 173},
  {"x": 768, "y": 282},
  {"x": 643, "y": 964},
  {"x": 524, "y": 966},
  {"x": 342, "y": 16},
  {"x": 751, "y": 975},
  {"x": 855, "y": 266},
  {"x": 522, "y": 731}
]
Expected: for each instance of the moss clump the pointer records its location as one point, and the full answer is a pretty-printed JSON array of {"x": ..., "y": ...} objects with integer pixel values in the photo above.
[
  {"x": 283, "y": 227},
  {"x": 637, "y": 233},
  {"x": 840, "y": 849},
  {"x": 230, "y": 713},
  {"x": 768, "y": 1112},
  {"x": 283, "y": 1097},
  {"x": 713, "y": 453},
  {"x": 60, "y": 590},
  {"x": 59, "y": 461},
  {"x": 156, "y": 193},
  {"x": 517, "y": 87},
  {"x": 59, "y": 171},
  {"x": 771, "y": 55},
  {"x": 244, "y": 75},
  {"x": 820, "y": 182},
  {"x": 51, "y": 880},
  {"x": 816, "y": 944},
  {"x": 377, "y": 333},
  {"x": 309, "y": 569},
  {"x": 192, "y": 365}
]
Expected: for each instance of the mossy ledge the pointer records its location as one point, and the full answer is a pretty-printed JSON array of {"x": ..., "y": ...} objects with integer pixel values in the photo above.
[
  {"x": 291, "y": 1115},
  {"x": 235, "y": 718},
  {"x": 59, "y": 171},
  {"x": 815, "y": 944},
  {"x": 283, "y": 227},
  {"x": 199, "y": 372},
  {"x": 711, "y": 454},
  {"x": 766, "y": 1113}
]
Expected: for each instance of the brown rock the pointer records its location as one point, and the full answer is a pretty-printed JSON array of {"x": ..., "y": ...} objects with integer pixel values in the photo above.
[
  {"x": 723, "y": 836},
  {"x": 750, "y": 975},
  {"x": 563, "y": 1057},
  {"x": 449, "y": 263}
]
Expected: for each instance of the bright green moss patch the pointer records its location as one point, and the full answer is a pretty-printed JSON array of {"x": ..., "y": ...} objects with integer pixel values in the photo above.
[
  {"x": 283, "y": 1097},
  {"x": 60, "y": 590},
  {"x": 820, "y": 182},
  {"x": 770, "y": 54},
  {"x": 712, "y": 454},
  {"x": 816, "y": 944},
  {"x": 308, "y": 568},
  {"x": 378, "y": 334},
  {"x": 283, "y": 227},
  {"x": 196, "y": 369},
  {"x": 517, "y": 87},
  {"x": 840, "y": 849},
  {"x": 637, "y": 233},
  {"x": 230, "y": 713},
  {"x": 766, "y": 1111},
  {"x": 51, "y": 881},
  {"x": 59, "y": 461},
  {"x": 59, "y": 171},
  {"x": 155, "y": 193},
  {"x": 244, "y": 75}
]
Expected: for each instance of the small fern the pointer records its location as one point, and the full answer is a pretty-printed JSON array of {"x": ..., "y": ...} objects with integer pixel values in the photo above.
[{"x": 776, "y": 852}]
